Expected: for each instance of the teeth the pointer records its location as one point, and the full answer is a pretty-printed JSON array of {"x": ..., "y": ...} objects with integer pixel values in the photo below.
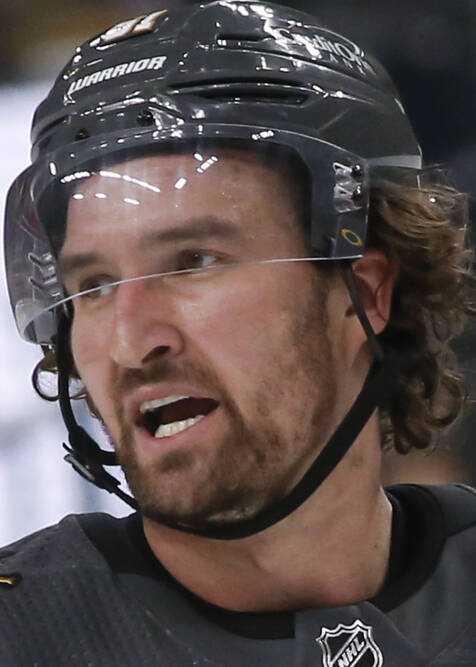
[
  {"x": 159, "y": 403},
  {"x": 166, "y": 430}
]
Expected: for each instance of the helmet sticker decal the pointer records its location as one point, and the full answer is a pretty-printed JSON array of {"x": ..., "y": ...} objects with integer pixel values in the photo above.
[
  {"x": 323, "y": 45},
  {"x": 349, "y": 646},
  {"x": 154, "y": 63},
  {"x": 10, "y": 579},
  {"x": 138, "y": 26}
]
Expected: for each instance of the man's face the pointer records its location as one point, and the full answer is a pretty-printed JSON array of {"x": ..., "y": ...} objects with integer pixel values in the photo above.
[{"x": 249, "y": 341}]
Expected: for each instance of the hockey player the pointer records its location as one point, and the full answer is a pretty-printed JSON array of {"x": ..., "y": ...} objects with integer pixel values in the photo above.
[{"x": 228, "y": 235}]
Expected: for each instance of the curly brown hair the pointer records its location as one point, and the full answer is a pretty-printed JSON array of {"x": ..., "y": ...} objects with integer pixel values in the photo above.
[
  {"x": 423, "y": 231},
  {"x": 418, "y": 229}
]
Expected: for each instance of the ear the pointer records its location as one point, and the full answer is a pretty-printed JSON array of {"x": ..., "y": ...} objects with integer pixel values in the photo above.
[{"x": 375, "y": 278}]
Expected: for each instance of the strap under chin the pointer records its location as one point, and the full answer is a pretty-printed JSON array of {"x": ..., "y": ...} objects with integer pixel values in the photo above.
[
  {"x": 378, "y": 386},
  {"x": 88, "y": 459}
]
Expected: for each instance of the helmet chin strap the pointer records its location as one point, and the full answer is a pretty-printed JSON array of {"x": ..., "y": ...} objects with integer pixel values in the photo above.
[
  {"x": 88, "y": 459},
  {"x": 84, "y": 454}
]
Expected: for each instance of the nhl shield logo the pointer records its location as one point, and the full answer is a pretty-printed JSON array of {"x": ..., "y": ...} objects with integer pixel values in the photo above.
[{"x": 349, "y": 646}]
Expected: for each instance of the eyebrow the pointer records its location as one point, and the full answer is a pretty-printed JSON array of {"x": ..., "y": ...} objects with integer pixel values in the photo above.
[{"x": 193, "y": 230}]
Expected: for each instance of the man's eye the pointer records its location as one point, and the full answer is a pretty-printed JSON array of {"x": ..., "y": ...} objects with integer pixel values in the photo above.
[
  {"x": 96, "y": 287},
  {"x": 195, "y": 259}
]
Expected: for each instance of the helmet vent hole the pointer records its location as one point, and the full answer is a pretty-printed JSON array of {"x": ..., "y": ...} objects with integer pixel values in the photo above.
[
  {"x": 253, "y": 98},
  {"x": 250, "y": 92},
  {"x": 81, "y": 134},
  {"x": 145, "y": 118},
  {"x": 240, "y": 38}
]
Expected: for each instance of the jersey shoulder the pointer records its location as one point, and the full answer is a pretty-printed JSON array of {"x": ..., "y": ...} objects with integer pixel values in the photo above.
[
  {"x": 457, "y": 503},
  {"x": 59, "y": 601},
  {"x": 63, "y": 545},
  {"x": 439, "y": 613}
]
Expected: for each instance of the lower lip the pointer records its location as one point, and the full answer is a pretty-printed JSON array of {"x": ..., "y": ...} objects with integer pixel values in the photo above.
[{"x": 190, "y": 436}]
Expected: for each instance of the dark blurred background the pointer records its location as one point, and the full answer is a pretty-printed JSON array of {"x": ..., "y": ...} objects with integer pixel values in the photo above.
[{"x": 429, "y": 48}]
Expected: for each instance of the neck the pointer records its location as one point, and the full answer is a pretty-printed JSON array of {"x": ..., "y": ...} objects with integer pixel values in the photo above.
[{"x": 332, "y": 551}]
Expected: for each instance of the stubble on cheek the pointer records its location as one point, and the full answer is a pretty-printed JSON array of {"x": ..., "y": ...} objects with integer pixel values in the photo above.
[
  {"x": 200, "y": 485},
  {"x": 262, "y": 455}
]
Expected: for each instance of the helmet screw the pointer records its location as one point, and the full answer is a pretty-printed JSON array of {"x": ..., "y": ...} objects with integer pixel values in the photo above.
[
  {"x": 81, "y": 134},
  {"x": 145, "y": 118},
  {"x": 357, "y": 194},
  {"x": 357, "y": 171}
]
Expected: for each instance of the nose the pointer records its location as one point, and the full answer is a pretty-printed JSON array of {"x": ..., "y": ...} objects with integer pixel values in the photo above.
[{"x": 144, "y": 326}]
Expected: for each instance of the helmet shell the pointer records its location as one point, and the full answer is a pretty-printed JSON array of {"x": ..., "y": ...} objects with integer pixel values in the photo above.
[
  {"x": 247, "y": 71},
  {"x": 229, "y": 62}
]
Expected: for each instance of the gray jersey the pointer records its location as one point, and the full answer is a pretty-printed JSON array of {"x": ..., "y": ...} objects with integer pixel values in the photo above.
[{"x": 68, "y": 596}]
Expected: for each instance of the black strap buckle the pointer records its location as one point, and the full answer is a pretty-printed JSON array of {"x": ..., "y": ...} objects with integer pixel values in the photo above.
[{"x": 78, "y": 466}]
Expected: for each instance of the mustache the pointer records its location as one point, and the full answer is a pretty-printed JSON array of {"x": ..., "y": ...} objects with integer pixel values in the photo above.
[{"x": 162, "y": 370}]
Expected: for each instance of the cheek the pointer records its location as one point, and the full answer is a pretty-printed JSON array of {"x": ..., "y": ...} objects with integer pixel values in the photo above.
[
  {"x": 85, "y": 345},
  {"x": 90, "y": 357},
  {"x": 247, "y": 329}
]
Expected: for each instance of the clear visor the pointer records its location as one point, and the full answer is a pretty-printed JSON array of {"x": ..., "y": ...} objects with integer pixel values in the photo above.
[{"x": 190, "y": 215}]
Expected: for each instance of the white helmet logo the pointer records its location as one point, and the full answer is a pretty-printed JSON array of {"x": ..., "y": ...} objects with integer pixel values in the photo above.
[{"x": 137, "y": 26}]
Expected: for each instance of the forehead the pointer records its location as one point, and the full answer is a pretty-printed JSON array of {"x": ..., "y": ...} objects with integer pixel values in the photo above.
[{"x": 169, "y": 189}]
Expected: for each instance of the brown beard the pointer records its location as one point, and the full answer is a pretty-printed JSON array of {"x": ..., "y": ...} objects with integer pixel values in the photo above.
[{"x": 254, "y": 465}]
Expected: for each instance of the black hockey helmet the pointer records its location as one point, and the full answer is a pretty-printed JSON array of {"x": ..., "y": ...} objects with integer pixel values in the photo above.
[{"x": 256, "y": 75}]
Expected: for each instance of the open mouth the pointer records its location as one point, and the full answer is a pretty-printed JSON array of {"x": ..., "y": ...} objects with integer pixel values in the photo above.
[{"x": 164, "y": 417}]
